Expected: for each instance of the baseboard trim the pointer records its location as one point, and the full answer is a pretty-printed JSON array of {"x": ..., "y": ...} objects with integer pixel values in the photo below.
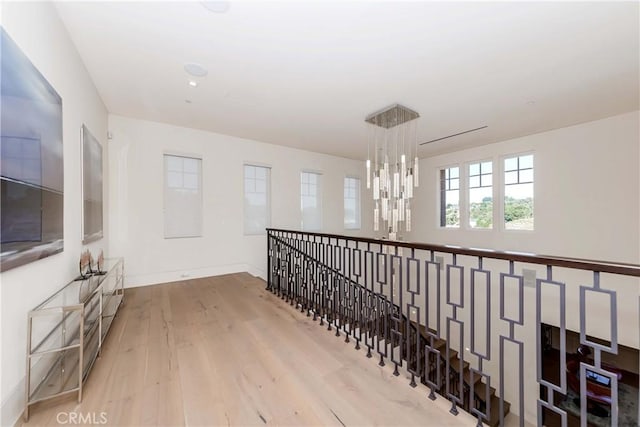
[
  {"x": 138, "y": 280},
  {"x": 257, "y": 272}
]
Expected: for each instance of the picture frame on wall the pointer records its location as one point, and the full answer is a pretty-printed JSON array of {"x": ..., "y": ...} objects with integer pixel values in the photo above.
[
  {"x": 31, "y": 161},
  {"x": 92, "y": 201}
]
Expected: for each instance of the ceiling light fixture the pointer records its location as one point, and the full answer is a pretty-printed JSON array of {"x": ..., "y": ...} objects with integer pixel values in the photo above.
[
  {"x": 193, "y": 83},
  {"x": 392, "y": 135},
  {"x": 216, "y": 6},
  {"x": 195, "y": 70}
]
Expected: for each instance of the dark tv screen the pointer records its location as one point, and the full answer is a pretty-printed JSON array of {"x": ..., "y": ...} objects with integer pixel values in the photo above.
[
  {"x": 600, "y": 379},
  {"x": 31, "y": 161}
]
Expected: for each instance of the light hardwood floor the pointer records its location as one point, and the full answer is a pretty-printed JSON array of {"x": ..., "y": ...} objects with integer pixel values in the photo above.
[{"x": 223, "y": 351}]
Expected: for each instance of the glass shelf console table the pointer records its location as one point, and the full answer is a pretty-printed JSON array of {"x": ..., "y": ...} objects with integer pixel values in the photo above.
[{"x": 65, "y": 333}]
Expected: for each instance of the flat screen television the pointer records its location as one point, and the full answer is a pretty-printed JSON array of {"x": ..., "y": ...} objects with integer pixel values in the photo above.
[
  {"x": 31, "y": 161},
  {"x": 598, "y": 378}
]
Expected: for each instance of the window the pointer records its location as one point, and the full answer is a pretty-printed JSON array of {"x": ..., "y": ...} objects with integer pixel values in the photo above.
[
  {"x": 310, "y": 201},
  {"x": 257, "y": 200},
  {"x": 481, "y": 195},
  {"x": 352, "y": 203},
  {"x": 182, "y": 197},
  {"x": 518, "y": 192},
  {"x": 450, "y": 197}
]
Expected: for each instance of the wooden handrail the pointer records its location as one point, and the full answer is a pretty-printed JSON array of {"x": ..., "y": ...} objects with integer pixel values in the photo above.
[{"x": 566, "y": 262}]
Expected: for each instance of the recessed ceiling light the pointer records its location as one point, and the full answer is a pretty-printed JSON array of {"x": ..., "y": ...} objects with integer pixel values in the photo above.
[
  {"x": 216, "y": 6},
  {"x": 193, "y": 83},
  {"x": 196, "y": 70}
]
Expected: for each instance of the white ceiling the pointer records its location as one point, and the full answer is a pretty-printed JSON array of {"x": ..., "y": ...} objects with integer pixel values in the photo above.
[{"x": 306, "y": 74}]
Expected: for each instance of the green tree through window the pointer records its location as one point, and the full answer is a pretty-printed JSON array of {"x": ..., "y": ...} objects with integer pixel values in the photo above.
[
  {"x": 481, "y": 195},
  {"x": 450, "y": 197},
  {"x": 518, "y": 193}
]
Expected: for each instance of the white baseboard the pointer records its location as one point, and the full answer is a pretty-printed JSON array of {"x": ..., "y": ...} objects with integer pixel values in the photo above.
[
  {"x": 257, "y": 272},
  {"x": 137, "y": 280}
]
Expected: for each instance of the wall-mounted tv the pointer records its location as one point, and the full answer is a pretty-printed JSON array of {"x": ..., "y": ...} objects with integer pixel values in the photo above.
[
  {"x": 91, "y": 187},
  {"x": 31, "y": 161}
]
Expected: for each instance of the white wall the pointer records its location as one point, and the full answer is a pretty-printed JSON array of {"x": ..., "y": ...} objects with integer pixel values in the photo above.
[
  {"x": 36, "y": 28},
  {"x": 587, "y": 193},
  {"x": 136, "y": 173}
]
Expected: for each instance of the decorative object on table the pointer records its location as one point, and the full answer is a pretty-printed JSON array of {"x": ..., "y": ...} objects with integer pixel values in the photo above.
[
  {"x": 393, "y": 140},
  {"x": 91, "y": 187},
  {"x": 85, "y": 265},
  {"x": 31, "y": 156},
  {"x": 100, "y": 265}
]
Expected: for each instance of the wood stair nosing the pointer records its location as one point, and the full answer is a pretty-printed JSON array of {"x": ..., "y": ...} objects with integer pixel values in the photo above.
[
  {"x": 479, "y": 386},
  {"x": 454, "y": 363},
  {"x": 439, "y": 344},
  {"x": 480, "y": 389},
  {"x": 424, "y": 331},
  {"x": 494, "y": 416},
  {"x": 452, "y": 354},
  {"x": 467, "y": 377}
]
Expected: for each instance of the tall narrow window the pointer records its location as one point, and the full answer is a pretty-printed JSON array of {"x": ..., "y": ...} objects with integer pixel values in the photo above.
[
  {"x": 182, "y": 196},
  {"x": 257, "y": 199},
  {"x": 351, "y": 203},
  {"x": 518, "y": 192},
  {"x": 311, "y": 201},
  {"x": 450, "y": 197},
  {"x": 481, "y": 195}
]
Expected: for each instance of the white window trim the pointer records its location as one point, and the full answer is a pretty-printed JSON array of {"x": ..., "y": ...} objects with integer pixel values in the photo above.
[
  {"x": 461, "y": 195},
  {"x": 359, "y": 204},
  {"x": 501, "y": 192},
  {"x": 269, "y": 209},
  {"x": 320, "y": 198},
  {"x": 164, "y": 198},
  {"x": 493, "y": 194}
]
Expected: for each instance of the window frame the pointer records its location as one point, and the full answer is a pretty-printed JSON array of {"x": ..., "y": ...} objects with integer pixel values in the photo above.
[
  {"x": 244, "y": 194},
  {"x": 468, "y": 188},
  {"x": 358, "y": 199},
  {"x": 166, "y": 187},
  {"x": 318, "y": 199},
  {"x": 503, "y": 186},
  {"x": 441, "y": 205}
]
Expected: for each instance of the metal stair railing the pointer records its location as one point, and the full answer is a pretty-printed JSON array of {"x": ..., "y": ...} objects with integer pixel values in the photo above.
[{"x": 428, "y": 309}]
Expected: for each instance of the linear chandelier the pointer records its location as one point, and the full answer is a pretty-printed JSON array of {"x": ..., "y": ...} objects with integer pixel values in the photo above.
[{"x": 392, "y": 138}]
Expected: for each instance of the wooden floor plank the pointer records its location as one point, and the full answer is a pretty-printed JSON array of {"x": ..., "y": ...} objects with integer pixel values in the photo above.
[{"x": 223, "y": 351}]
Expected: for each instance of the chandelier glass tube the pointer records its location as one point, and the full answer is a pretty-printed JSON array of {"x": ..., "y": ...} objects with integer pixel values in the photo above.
[{"x": 392, "y": 167}]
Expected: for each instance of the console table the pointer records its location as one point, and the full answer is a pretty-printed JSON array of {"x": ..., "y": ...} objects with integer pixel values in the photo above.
[{"x": 65, "y": 333}]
